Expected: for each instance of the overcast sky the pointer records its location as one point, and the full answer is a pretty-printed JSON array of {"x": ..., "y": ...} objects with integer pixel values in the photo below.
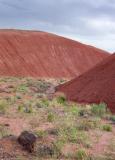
[{"x": 88, "y": 21}]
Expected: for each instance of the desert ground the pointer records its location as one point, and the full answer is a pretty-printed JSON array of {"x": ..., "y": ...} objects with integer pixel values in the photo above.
[{"x": 65, "y": 130}]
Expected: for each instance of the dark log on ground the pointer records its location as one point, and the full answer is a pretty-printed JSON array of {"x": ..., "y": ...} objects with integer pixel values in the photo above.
[{"x": 27, "y": 140}]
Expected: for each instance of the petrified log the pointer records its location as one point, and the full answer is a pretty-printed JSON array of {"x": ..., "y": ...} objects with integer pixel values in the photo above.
[{"x": 27, "y": 140}]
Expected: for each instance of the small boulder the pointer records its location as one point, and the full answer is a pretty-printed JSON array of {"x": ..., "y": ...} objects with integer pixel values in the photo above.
[{"x": 27, "y": 140}]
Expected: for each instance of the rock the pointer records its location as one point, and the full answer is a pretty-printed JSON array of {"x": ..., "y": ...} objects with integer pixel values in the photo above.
[{"x": 27, "y": 140}]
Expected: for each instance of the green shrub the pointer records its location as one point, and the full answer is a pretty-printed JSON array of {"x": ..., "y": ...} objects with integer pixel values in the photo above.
[
  {"x": 43, "y": 86},
  {"x": 112, "y": 118},
  {"x": 57, "y": 146},
  {"x": 21, "y": 108},
  {"x": 45, "y": 102},
  {"x": 12, "y": 100},
  {"x": 72, "y": 137},
  {"x": 38, "y": 105},
  {"x": 107, "y": 128},
  {"x": 3, "y": 106},
  {"x": 22, "y": 88},
  {"x": 41, "y": 133},
  {"x": 82, "y": 138},
  {"x": 99, "y": 110},
  {"x": 61, "y": 99},
  {"x": 50, "y": 117},
  {"x": 25, "y": 107},
  {"x": 84, "y": 111},
  {"x": 96, "y": 122},
  {"x": 85, "y": 125},
  {"x": 4, "y": 131},
  {"x": 74, "y": 110},
  {"x": 81, "y": 154},
  {"x": 68, "y": 134},
  {"x": 28, "y": 109}
]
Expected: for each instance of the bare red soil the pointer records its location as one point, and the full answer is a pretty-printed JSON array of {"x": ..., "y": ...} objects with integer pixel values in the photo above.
[
  {"x": 40, "y": 54},
  {"x": 95, "y": 86}
]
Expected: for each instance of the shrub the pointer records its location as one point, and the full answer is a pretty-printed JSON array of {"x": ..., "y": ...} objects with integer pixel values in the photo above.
[
  {"x": 41, "y": 133},
  {"x": 61, "y": 99},
  {"x": 74, "y": 110},
  {"x": 86, "y": 125},
  {"x": 38, "y": 105},
  {"x": 62, "y": 81},
  {"x": 22, "y": 88},
  {"x": 4, "y": 131},
  {"x": 81, "y": 154},
  {"x": 45, "y": 102},
  {"x": 57, "y": 146},
  {"x": 50, "y": 117},
  {"x": 25, "y": 107},
  {"x": 73, "y": 135},
  {"x": 68, "y": 134},
  {"x": 82, "y": 138},
  {"x": 99, "y": 110},
  {"x": 3, "y": 106},
  {"x": 84, "y": 111},
  {"x": 12, "y": 100},
  {"x": 43, "y": 86},
  {"x": 28, "y": 109},
  {"x": 21, "y": 108},
  {"x": 96, "y": 122},
  {"x": 107, "y": 128},
  {"x": 112, "y": 118}
]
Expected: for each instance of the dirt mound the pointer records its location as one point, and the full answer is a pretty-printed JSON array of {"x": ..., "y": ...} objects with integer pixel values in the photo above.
[
  {"x": 40, "y": 54},
  {"x": 95, "y": 86}
]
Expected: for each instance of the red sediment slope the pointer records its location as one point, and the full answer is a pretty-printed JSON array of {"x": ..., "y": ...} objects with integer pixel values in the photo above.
[
  {"x": 95, "y": 86},
  {"x": 41, "y": 54}
]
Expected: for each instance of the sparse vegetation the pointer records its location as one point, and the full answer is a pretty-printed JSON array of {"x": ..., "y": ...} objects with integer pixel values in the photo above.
[
  {"x": 61, "y": 99},
  {"x": 58, "y": 145},
  {"x": 41, "y": 133},
  {"x": 50, "y": 117},
  {"x": 45, "y": 102},
  {"x": 107, "y": 128},
  {"x": 3, "y": 106},
  {"x": 112, "y": 118},
  {"x": 22, "y": 88},
  {"x": 21, "y": 108},
  {"x": 4, "y": 131},
  {"x": 57, "y": 123},
  {"x": 86, "y": 125},
  {"x": 99, "y": 110},
  {"x": 25, "y": 108},
  {"x": 81, "y": 154},
  {"x": 74, "y": 110}
]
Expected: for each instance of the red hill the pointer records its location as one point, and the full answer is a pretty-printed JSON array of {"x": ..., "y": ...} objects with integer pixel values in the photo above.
[
  {"x": 95, "y": 86},
  {"x": 40, "y": 54}
]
